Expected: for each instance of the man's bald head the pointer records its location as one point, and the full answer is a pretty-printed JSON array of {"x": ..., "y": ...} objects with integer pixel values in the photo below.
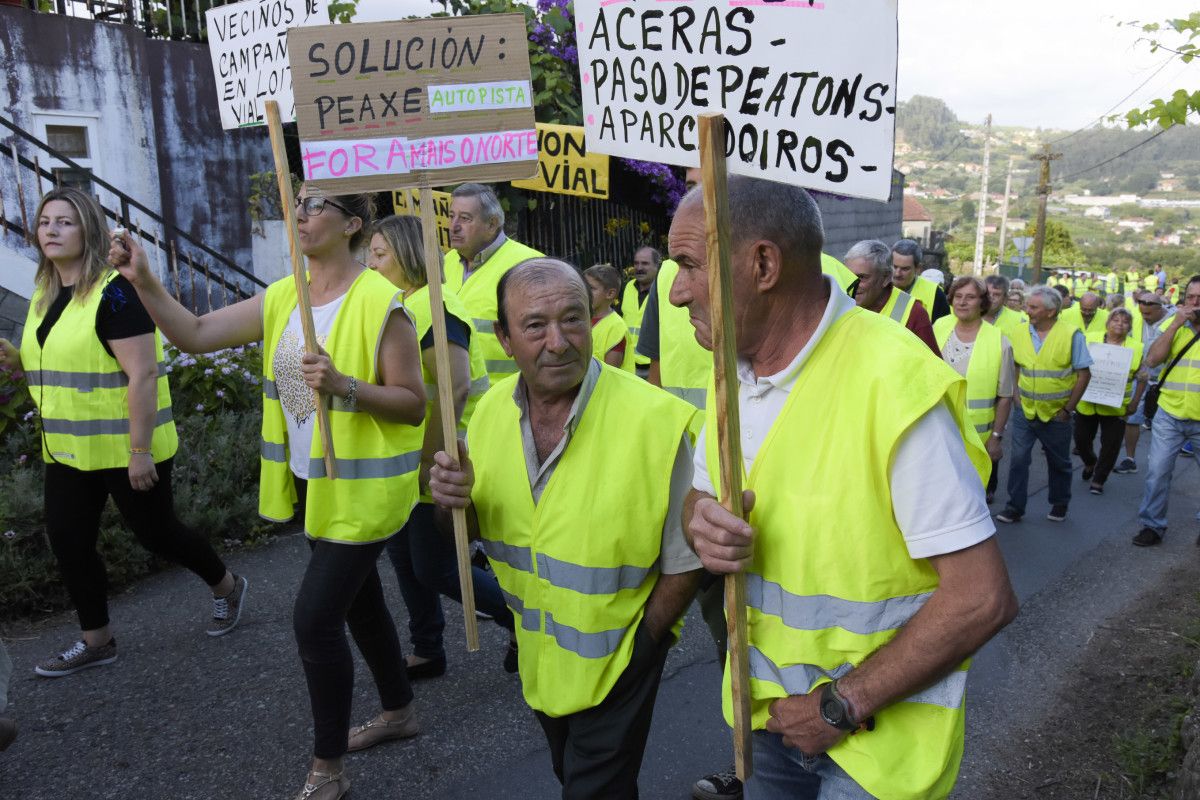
[
  {"x": 1089, "y": 304},
  {"x": 541, "y": 271}
]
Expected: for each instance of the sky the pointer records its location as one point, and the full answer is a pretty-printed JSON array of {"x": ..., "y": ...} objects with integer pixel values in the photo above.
[{"x": 1034, "y": 63}]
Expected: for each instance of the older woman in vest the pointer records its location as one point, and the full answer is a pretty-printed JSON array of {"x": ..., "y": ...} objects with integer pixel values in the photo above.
[
  {"x": 93, "y": 362},
  {"x": 981, "y": 354},
  {"x": 368, "y": 370},
  {"x": 423, "y": 557},
  {"x": 1110, "y": 420}
]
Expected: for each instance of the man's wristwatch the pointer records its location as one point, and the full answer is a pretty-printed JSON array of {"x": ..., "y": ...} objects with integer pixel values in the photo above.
[{"x": 835, "y": 710}]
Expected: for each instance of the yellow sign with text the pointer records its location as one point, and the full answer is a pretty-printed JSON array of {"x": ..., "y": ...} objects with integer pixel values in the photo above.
[
  {"x": 407, "y": 203},
  {"x": 565, "y": 166}
]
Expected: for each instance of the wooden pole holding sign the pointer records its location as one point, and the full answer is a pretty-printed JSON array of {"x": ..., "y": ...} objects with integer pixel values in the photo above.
[
  {"x": 720, "y": 293},
  {"x": 441, "y": 352},
  {"x": 288, "y": 202}
]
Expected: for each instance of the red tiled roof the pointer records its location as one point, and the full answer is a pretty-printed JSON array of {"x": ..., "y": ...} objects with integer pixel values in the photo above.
[{"x": 914, "y": 211}]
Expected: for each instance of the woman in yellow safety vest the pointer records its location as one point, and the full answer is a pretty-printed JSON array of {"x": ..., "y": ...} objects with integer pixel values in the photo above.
[
  {"x": 93, "y": 362},
  {"x": 981, "y": 354},
  {"x": 1110, "y": 420},
  {"x": 424, "y": 559},
  {"x": 367, "y": 371}
]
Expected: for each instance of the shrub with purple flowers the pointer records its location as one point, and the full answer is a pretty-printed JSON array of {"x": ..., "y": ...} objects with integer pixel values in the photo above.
[{"x": 227, "y": 380}]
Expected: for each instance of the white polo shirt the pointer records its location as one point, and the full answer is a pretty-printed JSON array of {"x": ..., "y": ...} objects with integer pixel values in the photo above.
[{"x": 937, "y": 497}]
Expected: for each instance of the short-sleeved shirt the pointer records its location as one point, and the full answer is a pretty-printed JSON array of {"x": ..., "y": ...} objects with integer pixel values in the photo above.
[
  {"x": 121, "y": 314},
  {"x": 457, "y": 332},
  {"x": 957, "y": 354},
  {"x": 1081, "y": 357}
]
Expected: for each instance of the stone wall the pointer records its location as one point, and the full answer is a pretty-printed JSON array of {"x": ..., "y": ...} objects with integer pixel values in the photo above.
[{"x": 851, "y": 220}]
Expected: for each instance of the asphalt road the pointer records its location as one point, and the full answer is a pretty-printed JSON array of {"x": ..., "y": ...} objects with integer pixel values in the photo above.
[{"x": 184, "y": 716}]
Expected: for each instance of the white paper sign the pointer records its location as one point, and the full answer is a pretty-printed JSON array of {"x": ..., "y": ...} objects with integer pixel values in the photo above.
[
  {"x": 1110, "y": 372},
  {"x": 248, "y": 45},
  {"x": 808, "y": 88}
]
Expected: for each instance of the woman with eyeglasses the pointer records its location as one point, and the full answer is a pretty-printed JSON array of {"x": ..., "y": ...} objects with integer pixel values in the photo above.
[
  {"x": 1109, "y": 420},
  {"x": 93, "y": 362},
  {"x": 368, "y": 370},
  {"x": 423, "y": 557}
]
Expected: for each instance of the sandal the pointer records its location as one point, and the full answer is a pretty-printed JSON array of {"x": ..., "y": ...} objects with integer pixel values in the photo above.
[{"x": 328, "y": 786}]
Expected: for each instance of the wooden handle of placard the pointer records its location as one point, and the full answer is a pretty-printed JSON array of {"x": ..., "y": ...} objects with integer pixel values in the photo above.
[
  {"x": 441, "y": 352},
  {"x": 288, "y": 202},
  {"x": 720, "y": 291}
]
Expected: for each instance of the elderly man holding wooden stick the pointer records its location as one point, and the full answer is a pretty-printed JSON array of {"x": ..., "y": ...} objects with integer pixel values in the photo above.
[
  {"x": 585, "y": 540},
  {"x": 865, "y": 600}
]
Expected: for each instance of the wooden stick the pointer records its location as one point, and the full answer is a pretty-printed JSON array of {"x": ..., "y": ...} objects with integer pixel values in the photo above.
[
  {"x": 441, "y": 351},
  {"x": 720, "y": 293},
  {"x": 288, "y": 202}
]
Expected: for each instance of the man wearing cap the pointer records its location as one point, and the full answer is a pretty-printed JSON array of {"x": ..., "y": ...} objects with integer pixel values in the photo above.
[{"x": 906, "y": 261}]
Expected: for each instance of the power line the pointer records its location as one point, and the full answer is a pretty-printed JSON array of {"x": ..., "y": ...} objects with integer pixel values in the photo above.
[
  {"x": 1114, "y": 158},
  {"x": 1116, "y": 105}
]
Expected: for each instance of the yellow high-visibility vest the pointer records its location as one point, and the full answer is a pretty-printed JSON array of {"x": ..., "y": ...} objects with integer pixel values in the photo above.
[
  {"x": 633, "y": 311},
  {"x": 478, "y": 296},
  {"x": 1046, "y": 378},
  {"x": 1180, "y": 396},
  {"x": 377, "y": 460},
  {"x": 819, "y": 600},
  {"x": 684, "y": 367},
  {"x": 1149, "y": 283},
  {"x": 1136, "y": 346},
  {"x": 607, "y": 334},
  {"x": 81, "y": 392},
  {"x": 898, "y": 307},
  {"x": 923, "y": 290},
  {"x": 1073, "y": 316},
  {"x": 1008, "y": 319},
  {"x": 983, "y": 371},
  {"x": 835, "y": 269},
  {"x": 577, "y": 568}
]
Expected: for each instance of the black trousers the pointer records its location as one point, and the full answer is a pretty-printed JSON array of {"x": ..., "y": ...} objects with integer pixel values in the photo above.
[
  {"x": 1112, "y": 434},
  {"x": 74, "y": 500},
  {"x": 341, "y": 587},
  {"x": 597, "y": 753}
]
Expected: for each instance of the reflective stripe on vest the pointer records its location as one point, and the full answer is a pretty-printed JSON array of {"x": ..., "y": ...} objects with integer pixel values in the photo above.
[
  {"x": 983, "y": 370},
  {"x": 1046, "y": 377},
  {"x": 1180, "y": 396},
  {"x": 377, "y": 461},
  {"x": 810, "y": 620},
  {"x": 1134, "y": 365},
  {"x": 633, "y": 309},
  {"x": 684, "y": 367},
  {"x": 898, "y": 307},
  {"x": 564, "y": 574},
  {"x": 82, "y": 393}
]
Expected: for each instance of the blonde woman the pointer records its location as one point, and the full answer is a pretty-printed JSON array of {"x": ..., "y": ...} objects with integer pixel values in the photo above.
[
  {"x": 369, "y": 372},
  {"x": 423, "y": 557},
  {"x": 93, "y": 360}
]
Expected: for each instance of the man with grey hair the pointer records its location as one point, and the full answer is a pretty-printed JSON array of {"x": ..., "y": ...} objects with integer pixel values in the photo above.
[
  {"x": 832, "y": 652},
  {"x": 906, "y": 264},
  {"x": 481, "y": 254},
  {"x": 1052, "y": 373},
  {"x": 585, "y": 536},
  {"x": 871, "y": 261}
]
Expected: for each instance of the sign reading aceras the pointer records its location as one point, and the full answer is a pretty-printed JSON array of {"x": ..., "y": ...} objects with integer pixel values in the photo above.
[
  {"x": 389, "y": 105},
  {"x": 407, "y": 203},
  {"x": 808, "y": 87},
  {"x": 248, "y": 45},
  {"x": 565, "y": 166}
]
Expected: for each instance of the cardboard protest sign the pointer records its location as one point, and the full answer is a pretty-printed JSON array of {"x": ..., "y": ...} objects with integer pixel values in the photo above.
[
  {"x": 388, "y": 105},
  {"x": 808, "y": 87},
  {"x": 248, "y": 45},
  {"x": 1110, "y": 372},
  {"x": 565, "y": 166},
  {"x": 407, "y": 203}
]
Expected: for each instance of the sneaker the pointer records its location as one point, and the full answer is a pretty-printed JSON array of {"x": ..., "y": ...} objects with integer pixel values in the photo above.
[
  {"x": 1057, "y": 513},
  {"x": 1009, "y": 515},
  {"x": 483, "y": 615},
  {"x": 718, "y": 786},
  {"x": 76, "y": 657},
  {"x": 227, "y": 610},
  {"x": 8, "y": 732},
  {"x": 1127, "y": 467},
  {"x": 1147, "y": 537},
  {"x": 511, "y": 661},
  {"x": 378, "y": 730},
  {"x": 1094, "y": 489}
]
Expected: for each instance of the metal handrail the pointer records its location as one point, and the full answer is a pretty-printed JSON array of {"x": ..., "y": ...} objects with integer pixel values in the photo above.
[{"x": 126, "y": 203}]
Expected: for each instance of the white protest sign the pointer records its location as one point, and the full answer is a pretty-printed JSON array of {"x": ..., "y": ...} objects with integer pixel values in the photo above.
[
  {"x": 1110, "y": 373},
  {"x": 808, "y": 87},
  {"x": 248, "y": 45}
]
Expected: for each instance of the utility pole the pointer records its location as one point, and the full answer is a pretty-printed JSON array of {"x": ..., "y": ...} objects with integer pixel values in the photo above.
[
  {"x": 983, "y": 197},
  {"x": 1039, "y": 240},
  {"x": 1004, "y": 209}
]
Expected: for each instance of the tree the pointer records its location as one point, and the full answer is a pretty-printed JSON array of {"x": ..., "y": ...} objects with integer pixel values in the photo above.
[
  {"x": 927, "y": 123},
  {"x": 967, "y": 210},
  {"x": 1178, "y": 36},
  {"x": 1060, "y": 247}
]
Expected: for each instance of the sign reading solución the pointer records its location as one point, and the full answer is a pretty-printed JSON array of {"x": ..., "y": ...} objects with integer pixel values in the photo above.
[
  {"x": 565, "y": 166},
  {"x": 808, "y": 87},
  {"x": 390, "y": 105},
  {"x": 407, "y": 202},
  {"x": 248, "y": 45}
]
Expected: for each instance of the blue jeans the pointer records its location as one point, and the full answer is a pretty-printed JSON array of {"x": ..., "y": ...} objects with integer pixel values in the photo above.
[
  {"x": 1056, "y": 442},
  {"x": 1166, "y": 437},
  {"x": 784, "y": 773},
  {"x": 426, "y": 567}
]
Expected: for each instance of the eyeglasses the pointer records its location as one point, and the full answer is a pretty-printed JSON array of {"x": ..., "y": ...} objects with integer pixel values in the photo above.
[
  {"x": 313, "y": 206},
  {"x": 1148, "y": 303}
]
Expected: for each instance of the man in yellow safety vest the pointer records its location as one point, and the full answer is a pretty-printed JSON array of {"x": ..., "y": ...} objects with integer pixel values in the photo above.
[
  {"x": 906, "y": 264},
  {"x": 646, "y": 263},
  {"x": 843, "y": 633}
]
